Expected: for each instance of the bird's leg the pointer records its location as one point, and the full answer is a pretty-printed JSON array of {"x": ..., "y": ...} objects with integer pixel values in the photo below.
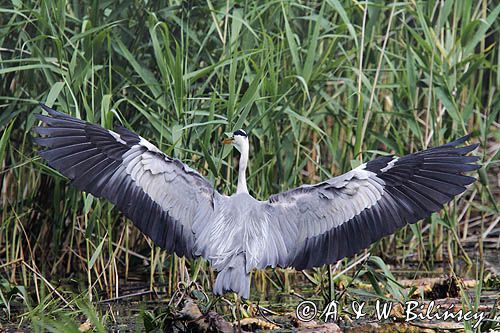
[{"x": 238, "y": 311}]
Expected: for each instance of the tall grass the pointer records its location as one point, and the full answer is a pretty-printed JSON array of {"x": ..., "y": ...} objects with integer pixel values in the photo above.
[{"x": 320, "y": 87}]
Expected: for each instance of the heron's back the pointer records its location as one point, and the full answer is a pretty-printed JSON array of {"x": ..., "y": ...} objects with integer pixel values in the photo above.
[
  {"x": 238, "y": 227},
  {"x": 234, "y": 241}
]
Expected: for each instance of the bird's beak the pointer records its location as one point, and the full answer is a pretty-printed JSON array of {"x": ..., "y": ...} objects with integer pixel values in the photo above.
[{"x": 228, "y": 141}]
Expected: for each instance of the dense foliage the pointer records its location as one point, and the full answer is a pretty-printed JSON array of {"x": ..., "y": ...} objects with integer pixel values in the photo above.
[{"x": 319, "y": 87}]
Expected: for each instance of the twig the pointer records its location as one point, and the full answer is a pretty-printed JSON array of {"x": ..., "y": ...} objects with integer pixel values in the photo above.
[
  {"x": 11, "y": 262},
  {"x": 141, "y": 293},
  {"x": 121, "y": 247},
  {"x": 261, "y": 313},
  {"x": 377, "y": 73},
  {"x": 351, "y": 266},
  {"x": 364, "y": 258},
  {"x": 490, "y": 228},
  {"x": 49, "y": 285}
]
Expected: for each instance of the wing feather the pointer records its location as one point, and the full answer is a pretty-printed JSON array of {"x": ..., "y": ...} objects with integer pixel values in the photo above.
[
  {"x": 337, "y": 218},
  {"x": 161, "y": 195}
]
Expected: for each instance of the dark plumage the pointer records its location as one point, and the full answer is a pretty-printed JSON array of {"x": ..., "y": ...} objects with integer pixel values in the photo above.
[{"x": 240, "y": 132}]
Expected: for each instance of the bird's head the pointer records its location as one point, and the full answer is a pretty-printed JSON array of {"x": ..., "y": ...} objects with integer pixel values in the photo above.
[{"x": 239, "y": 139}]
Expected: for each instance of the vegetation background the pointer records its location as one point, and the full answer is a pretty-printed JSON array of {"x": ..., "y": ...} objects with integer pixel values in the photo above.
[{"x": 320, "y": 87}]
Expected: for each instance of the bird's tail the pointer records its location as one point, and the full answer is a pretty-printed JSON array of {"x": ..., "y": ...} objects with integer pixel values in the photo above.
[{"x": 234, "y": 277}]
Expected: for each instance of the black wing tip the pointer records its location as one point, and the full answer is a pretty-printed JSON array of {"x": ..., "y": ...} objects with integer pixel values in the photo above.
[
  {"x": 52, "y": 112},
  {"x": 40, "y": 130},
  {"x": 38, "y": 141},
  {"x": 48, "y": 109},
  {"x": 468, "y": 180},
  {"x": 472, "y": 147},
  {"x": 465, "y": 150},
  {"x": 459, "y": 141}
]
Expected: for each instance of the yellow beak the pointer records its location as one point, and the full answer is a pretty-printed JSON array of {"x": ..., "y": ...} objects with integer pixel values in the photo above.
[{"x": 228, "y": 141}]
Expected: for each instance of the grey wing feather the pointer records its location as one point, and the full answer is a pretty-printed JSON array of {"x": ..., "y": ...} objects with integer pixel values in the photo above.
[
  {"x": 323, "y": 223},
  {"x": 163, "y": 197}
]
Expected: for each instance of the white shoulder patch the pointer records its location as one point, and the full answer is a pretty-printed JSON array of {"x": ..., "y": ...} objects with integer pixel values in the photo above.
[
  {"x": 390, "y": 164},
  {"x": 148, "y": 145},
  {"x": 117, "y": 137}
]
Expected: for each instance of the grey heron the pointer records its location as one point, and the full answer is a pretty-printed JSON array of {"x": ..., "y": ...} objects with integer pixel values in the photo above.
[{"x": 304, "y": 227}]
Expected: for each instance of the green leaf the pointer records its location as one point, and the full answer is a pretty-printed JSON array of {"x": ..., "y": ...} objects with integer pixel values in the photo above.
[
  {"x": 343, "y": 15},
  {"x": 54, "y": 92},
  {"x": 88, "y": 203},
  {"x": 96, "y": 253},
  {"x": 313, "y": 44},
  {"x": 481, "y": 31},
  {"x": 292, "y": 44},
  {"x": 448, "y": 104},
  {"x": 208, "y": 158},
  {"x": 146, "y": 75},
  {"x": 304, "y": 120},
  {"x": 106, "y": 114},
  {"x": 4, "y": 140}
]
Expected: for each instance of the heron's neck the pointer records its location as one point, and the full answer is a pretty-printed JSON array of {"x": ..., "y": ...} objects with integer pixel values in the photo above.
[{"x": 242, "y": 178}]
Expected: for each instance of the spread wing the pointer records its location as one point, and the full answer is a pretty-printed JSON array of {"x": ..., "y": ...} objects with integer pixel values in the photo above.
[
  {"x": 322, "y": 223},
  {"x": 162, "y": 196}
]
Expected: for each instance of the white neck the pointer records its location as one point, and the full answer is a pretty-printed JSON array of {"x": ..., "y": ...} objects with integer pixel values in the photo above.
[{"x": 242, "y": 179}]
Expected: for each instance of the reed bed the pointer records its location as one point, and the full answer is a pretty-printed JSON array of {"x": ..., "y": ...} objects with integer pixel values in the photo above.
[{"x": 319, "y": 86}]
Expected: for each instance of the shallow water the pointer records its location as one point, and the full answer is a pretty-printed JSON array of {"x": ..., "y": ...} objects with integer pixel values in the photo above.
[
  {"x": 128, "y": 312},
  {"x": 125, "y": 314}
]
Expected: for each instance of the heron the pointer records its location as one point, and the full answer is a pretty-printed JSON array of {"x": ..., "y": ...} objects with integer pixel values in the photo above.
[{"x": 301, "y": 228}]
